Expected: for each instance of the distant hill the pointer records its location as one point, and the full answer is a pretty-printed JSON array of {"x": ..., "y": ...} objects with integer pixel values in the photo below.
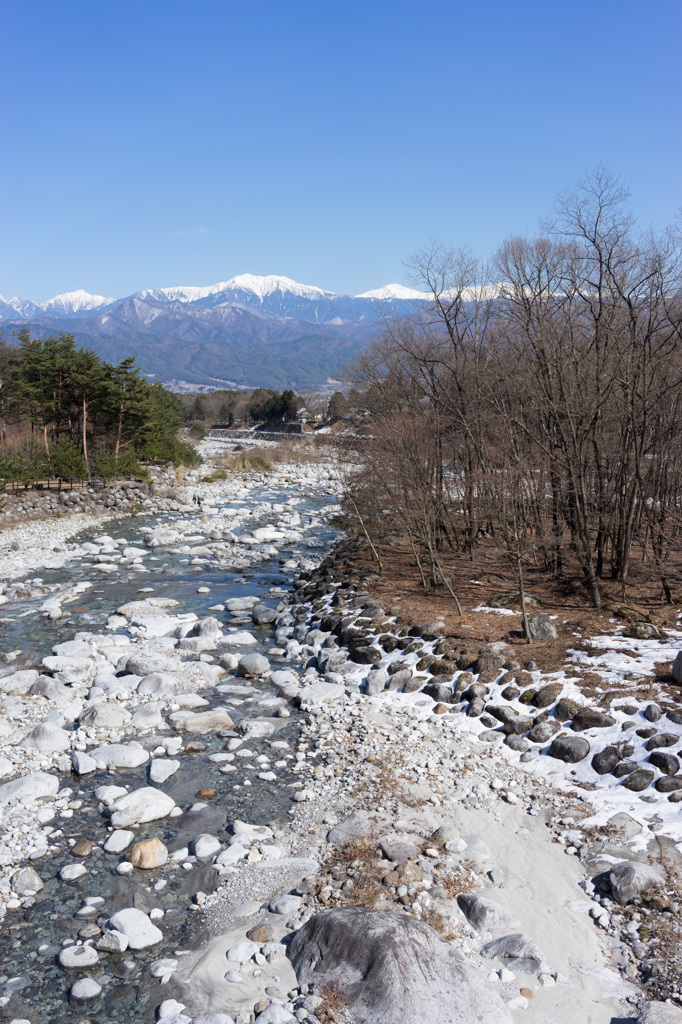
[{"x": 249, "y": 331}]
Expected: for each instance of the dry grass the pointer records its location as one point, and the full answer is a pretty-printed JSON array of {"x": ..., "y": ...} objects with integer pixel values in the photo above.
[
  {"x": 334, "y": 1008},
  {"x": 358, "y": 864}
]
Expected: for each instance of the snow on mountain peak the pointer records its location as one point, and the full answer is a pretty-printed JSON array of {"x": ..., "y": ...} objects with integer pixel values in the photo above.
[
  {"x": 394, "y": 291},
  {"x": 72, "y": 302},
  {"x": 263, "y": 286}
]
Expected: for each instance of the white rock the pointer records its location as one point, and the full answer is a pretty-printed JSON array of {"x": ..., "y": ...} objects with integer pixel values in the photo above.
[
  {"x": 231, "y": 856},
  {"x": 120, "y": 755},
  {"x": 241, "y": 638},
  {"x": 109, "y": 794},
  {"x": 82, "y": 763},
  {"x": 204, "y": 846},
  {"x": 47, "y": 737},
  {"x": 285, "y": 905},
  {"x": 84, "y": 990},
  {"x": 169, "y": 1008},
  {"x": 119, "y": 841},
  {"x": 140, "y": 806},
  {"x": 137, "y": 928},
  {"x": 77, "y": 957},
  {"x": 242, "y": 951},
  {"x": 72, "y": 872},
  {"x": 162, "y": 769}
]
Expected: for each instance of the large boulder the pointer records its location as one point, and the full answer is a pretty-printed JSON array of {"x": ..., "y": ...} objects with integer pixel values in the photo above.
[
  {"x": 659, "y": 1013},
  {"x": 104, "y": 715},
  {"x": 141, "y": 663},
  {"x": 390, "y": 968},
  {"x": 570, "y": 749},
  {"x": 119, "y": 755},
  {"x": 140, "y": 806},
  {"x": 591, "y": 718},
  {"x": 161, "y": 684},
  {"x": 48, "y": 738},
  {"x": 137, "y": 928},
  {"x": 541, "y": 627},
  {"x": 253, "y": 665},
  {"x": 201, "y": 721},
  {"x": 36, "y": 786},
  {"x": 629, "y": 879}
]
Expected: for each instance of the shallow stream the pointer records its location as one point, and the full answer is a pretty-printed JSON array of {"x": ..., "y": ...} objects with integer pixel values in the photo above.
[{"x": 32, "y": 984}]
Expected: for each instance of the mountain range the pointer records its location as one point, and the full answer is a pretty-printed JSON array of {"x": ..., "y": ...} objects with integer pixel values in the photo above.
[{"x": 246, "y": 332}]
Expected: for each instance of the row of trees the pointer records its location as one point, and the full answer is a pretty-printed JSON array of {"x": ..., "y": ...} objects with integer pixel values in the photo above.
[
  {"x": 230, "y": 407},
  {"x": 64, "y": 412},
  {"x": 537, "y": 399}
]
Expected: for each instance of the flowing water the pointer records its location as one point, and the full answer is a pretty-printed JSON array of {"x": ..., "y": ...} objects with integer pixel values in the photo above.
[{"x": 32, "y": 984}]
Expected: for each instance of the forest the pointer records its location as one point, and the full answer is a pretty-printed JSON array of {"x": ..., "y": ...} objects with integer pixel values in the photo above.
[
  {"x": 67, "y": 414},
  {"x": 534, "y": 404}
]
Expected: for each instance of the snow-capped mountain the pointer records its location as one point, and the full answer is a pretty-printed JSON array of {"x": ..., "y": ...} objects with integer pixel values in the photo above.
[
  {"x": 274, "y": 295},
  {"x": 395, "y": 291},
  {"x": 76, "y": 303},
  {"x": 259, "y": 331}
]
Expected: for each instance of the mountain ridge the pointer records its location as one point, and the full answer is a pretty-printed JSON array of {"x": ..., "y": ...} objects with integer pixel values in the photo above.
[{"x": 256, "y": 331}]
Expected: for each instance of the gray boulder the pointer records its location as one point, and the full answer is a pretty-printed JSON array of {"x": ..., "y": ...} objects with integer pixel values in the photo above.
[
  {"x": 207, "y": 627},
  {"x": 630, "y": 879},
  {"x": 357, "y": 825},
  {"x": 161, "y": 684},
  {"x": 541, "y": 627},
  {"x": 142, "y": 664},
  {"x": 591, "y": 718},
  {"x": 400, "y": 678},
  {"x": 542, "y": 732},
  {"x": 376, "y": 681},
  {"x": 104, "y": 715},
  {"x": 262, "y": 614},
  {"x": 486, "y": 914},
  {"x": 659, "y": 1013},
  {"x": 48, "y": 737},
  {"x": 391, "y": 968},
  {"x": 253, "y": 665},
  {"x": 517, "y": 953},
  {"x": 570, "y": 749}
]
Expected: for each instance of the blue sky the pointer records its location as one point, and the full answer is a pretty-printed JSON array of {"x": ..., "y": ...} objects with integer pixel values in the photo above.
[{"x": 160, "y": 143}]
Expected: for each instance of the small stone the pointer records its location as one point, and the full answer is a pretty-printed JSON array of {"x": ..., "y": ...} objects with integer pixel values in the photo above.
[
  {"x": 285, "y": 905},
  {"x": 83, "y": 848},
  {"x": 242, "y": 951},
  {"x": 118, "y": 841},
  {"x": 72, "y": 872}
]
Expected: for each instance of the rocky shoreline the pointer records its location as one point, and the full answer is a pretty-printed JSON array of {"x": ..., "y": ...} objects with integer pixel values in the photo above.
[{"x": 412, "y": 809}]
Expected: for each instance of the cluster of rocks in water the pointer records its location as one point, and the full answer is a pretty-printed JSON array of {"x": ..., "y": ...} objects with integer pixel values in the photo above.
[{"x": 383, "y": 708}]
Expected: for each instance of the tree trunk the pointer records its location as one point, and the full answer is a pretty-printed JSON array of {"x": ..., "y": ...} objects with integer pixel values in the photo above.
[{"x": 85, "y": 433}]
